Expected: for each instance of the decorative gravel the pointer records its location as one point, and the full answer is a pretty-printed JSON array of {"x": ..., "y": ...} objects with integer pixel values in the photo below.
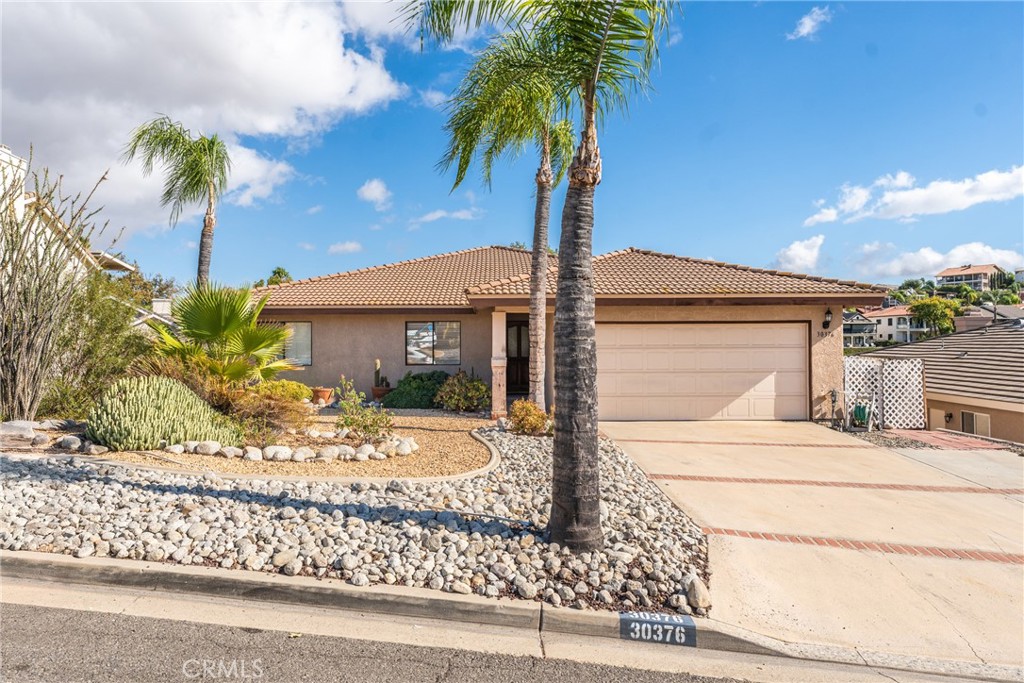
[{"x": 482, "y": 535}]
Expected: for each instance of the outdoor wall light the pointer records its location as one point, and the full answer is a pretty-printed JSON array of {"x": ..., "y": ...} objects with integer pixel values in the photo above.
[
  {"x": 828, "y": 319},
  {"x": 949, "y": 417}
]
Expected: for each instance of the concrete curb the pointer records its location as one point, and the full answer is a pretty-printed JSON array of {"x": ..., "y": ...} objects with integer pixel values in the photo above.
[
  {"x": 493, "y": 462},
  {"x": 428, "y": 604}
]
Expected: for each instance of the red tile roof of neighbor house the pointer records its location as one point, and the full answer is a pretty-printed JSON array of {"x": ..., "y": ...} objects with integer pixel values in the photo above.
[
  {"x": 450, "y": 280},
  {"x": 984, "y": 363},
  {"x": 885, "y": 312},
  {"x": 970, "y": 270}
]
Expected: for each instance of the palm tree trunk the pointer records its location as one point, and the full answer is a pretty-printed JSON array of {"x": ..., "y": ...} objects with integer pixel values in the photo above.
[
  {"x": 539, "y": 280},
  {"x": 206, "y": 238},
  {"x": 576, "y": 486}
]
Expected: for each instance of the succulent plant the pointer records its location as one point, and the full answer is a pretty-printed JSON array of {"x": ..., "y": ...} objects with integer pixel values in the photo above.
[{"x": 140, "y": 413}]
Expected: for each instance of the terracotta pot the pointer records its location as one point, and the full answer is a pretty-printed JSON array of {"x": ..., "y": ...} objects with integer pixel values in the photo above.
[
  {"x": 324, "y": 393},
  {"x": 380, "y": 392}
]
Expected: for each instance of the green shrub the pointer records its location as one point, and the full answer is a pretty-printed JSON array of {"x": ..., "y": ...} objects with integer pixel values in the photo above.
[
  {"x": 367, "y": 423},
  {"x": 526, "y": 417},
  {"x": 416, "y": 391},
  {"x": 138, "y": 413},
  {"x": 462, "y": 392},
  {"x": 284, "y": 389}
]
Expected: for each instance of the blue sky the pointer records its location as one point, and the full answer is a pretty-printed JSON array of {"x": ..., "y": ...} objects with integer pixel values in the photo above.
[{"x": 870, "y": 141}]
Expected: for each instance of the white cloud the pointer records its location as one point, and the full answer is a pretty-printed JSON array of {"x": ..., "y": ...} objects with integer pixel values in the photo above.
[
  {"x": 810, "y": 23},
  {"x": 344, "y": 248},
  {"x": 675, "y": 36},
  {"x": 190, "y": 245},
  {"x": 313, "y": 210},
  {"x": 801, "y": 256},
  {"x": 945, "y": 196},
  {"x": 236, "y": 69},
  {"x": 376, "y": 226},
  {"x": 433, "y": 98},
  {"x": 882, "y": 261},
  {"x": 306, "y": 246},
  {"x": 470, "y": 214},
  {"x": 894, "y": 197},
  {"x": 377, "y": 193},
  {"x": 824, "y": 215}
]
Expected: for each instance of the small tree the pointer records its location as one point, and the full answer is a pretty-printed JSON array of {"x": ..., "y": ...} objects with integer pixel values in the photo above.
[
  {"x": 937, "y": 313},
  {"x": 277, "y": 276},
  {"x": 44, "y": 258}
]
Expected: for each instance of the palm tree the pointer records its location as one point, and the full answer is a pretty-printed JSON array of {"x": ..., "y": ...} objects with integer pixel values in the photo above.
[
  {"x": 196, "y": 170},
  {"x": 218, "y": 328},
  {"x": 509, "y": 99},
  {"x": 605, "y": 50}
]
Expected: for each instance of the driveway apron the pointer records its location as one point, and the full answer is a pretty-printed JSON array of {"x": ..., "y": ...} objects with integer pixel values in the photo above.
[{"x": 819, "y": 537}]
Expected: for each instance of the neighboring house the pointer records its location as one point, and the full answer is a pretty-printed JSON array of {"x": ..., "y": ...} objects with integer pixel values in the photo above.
[
  {"x": 159, "y": 311},
  {"x": 677, "y": 338},
  {"x": 13, "y": 170},
  {"x": 896, "y": 324},
  {"x": 1018, "y": 275},
  {"x": 974, "y": 380},
  {"x": 858, "y": 331},
  {"x": 978, "y": 278},
  {"x": 975, "y": 317}
]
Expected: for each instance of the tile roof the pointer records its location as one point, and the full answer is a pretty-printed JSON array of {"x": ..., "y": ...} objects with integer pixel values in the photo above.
[
  {"x": 970, "y": 270},
  {"x": 433, "y": 281},
  {"x": 983, "y": 363},
  {"x": 639, "y": 272},
  {"x": 891, "y": 311}
]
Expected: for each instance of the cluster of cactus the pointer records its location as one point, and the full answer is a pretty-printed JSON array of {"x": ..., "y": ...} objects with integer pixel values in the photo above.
[{"x": 142, "y": 413}]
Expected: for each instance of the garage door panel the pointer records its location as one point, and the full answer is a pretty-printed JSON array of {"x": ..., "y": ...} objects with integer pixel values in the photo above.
[{"x": 755, "y": 371}]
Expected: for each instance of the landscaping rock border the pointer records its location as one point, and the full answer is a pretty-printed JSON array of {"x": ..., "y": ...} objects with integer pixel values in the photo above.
[{"x": 481, "y": 535}]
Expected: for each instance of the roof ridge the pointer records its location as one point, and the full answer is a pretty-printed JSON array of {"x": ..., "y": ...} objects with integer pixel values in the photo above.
[
  {"x": 477, "y": 289},
  {"x": 382, "y": 266},
  {"x": 753, "y": 269}
]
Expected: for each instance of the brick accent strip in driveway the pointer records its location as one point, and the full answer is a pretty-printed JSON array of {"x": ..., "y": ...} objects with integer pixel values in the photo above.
[
  {"x": 751, "y": 443},
  {"x": 838, "y": 484},
  {"x": 874, "y": 546}
]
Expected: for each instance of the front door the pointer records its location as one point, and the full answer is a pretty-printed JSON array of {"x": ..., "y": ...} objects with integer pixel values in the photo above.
[{"x": 517, "y": 344}]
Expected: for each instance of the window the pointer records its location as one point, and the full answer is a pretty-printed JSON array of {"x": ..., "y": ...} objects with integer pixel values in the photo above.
[
  {"x": 976, "y": 423},
  {"x": 890, "y": 321},
  {"x": 433, "y": 343},
  {"x": 299, "y": 347}
]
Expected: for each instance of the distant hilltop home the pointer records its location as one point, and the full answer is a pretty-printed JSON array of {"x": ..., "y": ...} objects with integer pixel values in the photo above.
[
  {"x": 677, "y": 338},
  {"x": 13, "y": 170},
  {"x": 858, "y": 331},
  {"x": 896, "y": 324},
  {"x": 978, "y": 278},
  {"x": 1018, "y": 275}
]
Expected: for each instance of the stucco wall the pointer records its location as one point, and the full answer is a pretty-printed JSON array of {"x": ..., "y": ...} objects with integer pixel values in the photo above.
[
  {"x": 826, "y": 346},
  {"x": 1006, "y": 425},
  {"x": 347, "y": 344}
]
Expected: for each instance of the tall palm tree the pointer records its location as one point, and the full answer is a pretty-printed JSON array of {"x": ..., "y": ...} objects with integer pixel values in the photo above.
[
  {"x": 196, "y": 170},
  {"x": 605, "y": 50},
  {"x": 508, "y": 100}
]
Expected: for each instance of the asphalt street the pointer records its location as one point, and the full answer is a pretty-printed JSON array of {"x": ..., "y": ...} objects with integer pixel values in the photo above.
[{"x": 66, "y": 646}]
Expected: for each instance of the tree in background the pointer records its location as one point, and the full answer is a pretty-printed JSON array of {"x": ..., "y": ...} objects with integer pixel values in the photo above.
[
  {"x": 141, "y": 290},
  {"x": 277, "y": 276},
  {"x": 937, "y": 313},
  {"x": 195, "y": 170},
  {"x": 509, "y": 99}
]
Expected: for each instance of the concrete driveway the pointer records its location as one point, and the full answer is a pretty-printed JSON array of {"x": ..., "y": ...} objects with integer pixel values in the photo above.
[{"x": 819, "y": 537}]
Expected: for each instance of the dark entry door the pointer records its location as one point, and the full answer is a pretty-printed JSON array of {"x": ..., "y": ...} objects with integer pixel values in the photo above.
[{"x": 517, "y": 343}]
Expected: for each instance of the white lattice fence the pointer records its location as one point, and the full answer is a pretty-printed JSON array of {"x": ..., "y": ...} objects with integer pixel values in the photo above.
[{"x": 899, "y": 383}]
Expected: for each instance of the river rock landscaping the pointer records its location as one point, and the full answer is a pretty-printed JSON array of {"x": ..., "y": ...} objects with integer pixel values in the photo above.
[{"x": 480, "y": 535}]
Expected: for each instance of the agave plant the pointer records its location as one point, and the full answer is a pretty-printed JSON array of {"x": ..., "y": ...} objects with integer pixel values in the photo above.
[{"x": 218, "y": 327}]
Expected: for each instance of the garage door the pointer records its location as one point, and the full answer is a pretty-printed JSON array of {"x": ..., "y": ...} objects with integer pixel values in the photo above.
[{"x": 750, "y": 371}]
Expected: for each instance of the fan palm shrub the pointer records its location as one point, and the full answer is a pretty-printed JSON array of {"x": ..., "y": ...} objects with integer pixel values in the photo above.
[{"x": 217, "y": 328}]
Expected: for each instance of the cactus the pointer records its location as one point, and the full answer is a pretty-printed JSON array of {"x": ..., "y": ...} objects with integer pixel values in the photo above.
[
  {"x": 376, "y": 373},
  {"x": 139, "y": 413}
]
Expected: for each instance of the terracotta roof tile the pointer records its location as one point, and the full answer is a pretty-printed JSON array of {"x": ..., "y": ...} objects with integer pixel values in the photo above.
[
  {"x": 432, "y": 281},
  {"x": 639, "y": 272},
  {"x": 970, "y": 270}
]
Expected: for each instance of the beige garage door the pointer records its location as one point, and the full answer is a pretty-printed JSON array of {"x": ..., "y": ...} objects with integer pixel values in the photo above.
[{"x": 749, "y": 371}]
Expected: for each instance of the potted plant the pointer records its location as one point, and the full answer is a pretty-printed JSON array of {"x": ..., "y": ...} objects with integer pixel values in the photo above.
[
  {"x": 381, "y": 385},
  {"x": 322, "y": 394}
]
